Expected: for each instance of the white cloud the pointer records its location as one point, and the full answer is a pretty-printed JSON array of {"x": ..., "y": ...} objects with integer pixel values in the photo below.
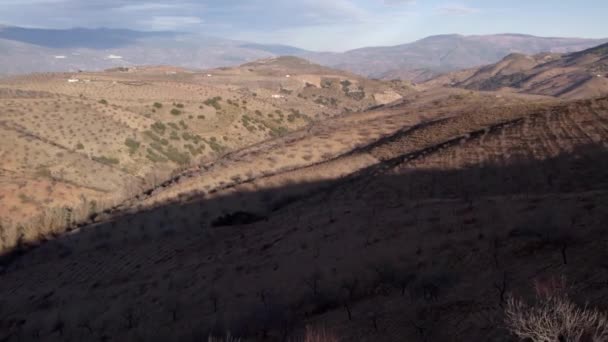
[
  {"x": 456, "y": 10},
  {"x": 170, "y": 22},
  {"x": 147, "y": 7},
  {"x": 399, "y": 2}
]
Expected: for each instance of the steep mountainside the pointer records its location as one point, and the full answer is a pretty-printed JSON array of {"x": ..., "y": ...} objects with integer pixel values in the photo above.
[
  {"x": 426, "y": 58},
  {"x": 575, "y": 75}
]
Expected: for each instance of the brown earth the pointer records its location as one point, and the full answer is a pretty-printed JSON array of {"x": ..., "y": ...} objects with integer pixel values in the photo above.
[
  {"x": 99, "y": 138},
  {"x": 569, "y": 76},
  {"x": 413, "y": 221}
]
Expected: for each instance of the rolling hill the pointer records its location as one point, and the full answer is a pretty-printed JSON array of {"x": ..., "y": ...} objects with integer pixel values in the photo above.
[
  {"x": 575, "y": 75},
  {"x": 72, "y": 144}
]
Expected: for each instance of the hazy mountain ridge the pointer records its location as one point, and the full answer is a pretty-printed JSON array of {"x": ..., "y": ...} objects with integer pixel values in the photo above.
[
  {"x": 37, "y": 50},
  {"x": 427, "y": 57}
]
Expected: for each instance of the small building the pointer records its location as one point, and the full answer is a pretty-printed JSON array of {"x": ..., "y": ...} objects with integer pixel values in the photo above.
[{"x": 73, "y": 80}]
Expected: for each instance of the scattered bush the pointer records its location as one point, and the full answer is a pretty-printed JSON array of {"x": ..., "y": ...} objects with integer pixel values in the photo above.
[
  {"x": 155, "y": 158},
  {"x": 177, "y": 157},
  {"x": 215, "y": 146},
  {"x": 554, "y": 317},
  {"x": 214, "y": 102},
  {"x": 278, "y": 131}
]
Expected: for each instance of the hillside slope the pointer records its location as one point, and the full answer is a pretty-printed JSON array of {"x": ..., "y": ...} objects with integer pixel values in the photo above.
[
  {"x": 575, "y": 75},
  {"x": 416, "y": 233},
  {"x": 73, "y": 144}
]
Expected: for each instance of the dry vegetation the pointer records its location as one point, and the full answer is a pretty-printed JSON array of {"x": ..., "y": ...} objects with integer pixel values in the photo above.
[
  {"x": 415, "y": 222},
  {"x": 73, "y": 150}
]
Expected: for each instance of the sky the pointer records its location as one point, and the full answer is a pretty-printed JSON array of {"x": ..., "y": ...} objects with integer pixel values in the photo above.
[{"x": 321, "y": 25}]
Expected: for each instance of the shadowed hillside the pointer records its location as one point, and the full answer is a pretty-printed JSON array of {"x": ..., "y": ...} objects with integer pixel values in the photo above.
[{"x": 424, "y": 243}]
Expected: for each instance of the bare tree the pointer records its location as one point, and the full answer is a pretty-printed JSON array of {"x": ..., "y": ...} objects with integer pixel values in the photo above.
[{"x": 554, "y": 317}]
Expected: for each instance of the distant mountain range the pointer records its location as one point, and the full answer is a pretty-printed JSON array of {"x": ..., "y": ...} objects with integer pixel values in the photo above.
[{"x": 24, "y": 50}]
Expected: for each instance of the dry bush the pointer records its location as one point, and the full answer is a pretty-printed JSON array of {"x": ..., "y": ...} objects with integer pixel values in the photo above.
[
  {"x": 318, "y": 335},
  {"x": 228, "y": 338},
  {"x": 553, "y": 317}
]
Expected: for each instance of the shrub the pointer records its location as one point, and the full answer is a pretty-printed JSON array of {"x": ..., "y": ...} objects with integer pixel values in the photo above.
[
  {"x": 79, "y": 146},
  {"x": 103, "y": 102},
  {"x": 158, "y": 105},
  {"x": 278, "y": 131},
  {"x": 318, "y": 335},
  {"x": 228, "y": 338},
  {"x": 132, "y": 144},
  {"x": 25, "y": 198},
  {"x": 179, "y": 105},
  {"x": 187, "y": 136},
  {"x": 159, "y": 127},
  {"x": 554, "y": 317},
  {"x": 176, "y": 112},
  {"x": 155, "y": 158},
  {"x": 215, "y": 146},
  {"x": 177, "y": 157},
  {"x": 106, "y": 160},
  {"x": 214, "y": 102}
]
